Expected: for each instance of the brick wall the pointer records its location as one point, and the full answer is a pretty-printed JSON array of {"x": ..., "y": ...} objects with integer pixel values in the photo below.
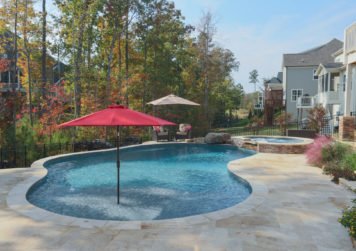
[{"x": 347, "y": 128}]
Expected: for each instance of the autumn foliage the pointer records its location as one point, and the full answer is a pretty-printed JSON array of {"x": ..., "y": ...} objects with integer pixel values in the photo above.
[{"x": 102, "y": 52}]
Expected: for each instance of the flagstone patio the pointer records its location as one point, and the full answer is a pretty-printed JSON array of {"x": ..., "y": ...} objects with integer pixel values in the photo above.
[{"x": 299, "y": 212}]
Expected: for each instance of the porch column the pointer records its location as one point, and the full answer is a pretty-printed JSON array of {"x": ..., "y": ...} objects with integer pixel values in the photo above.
[{"x": 347, "y": 104}]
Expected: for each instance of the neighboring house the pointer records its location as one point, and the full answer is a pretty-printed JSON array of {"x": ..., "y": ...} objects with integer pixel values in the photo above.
[
  {"x": 300, "y": 83},
  {"x": 9, "y": 77},
  {"x": 273, "y": 98},
  {"x": 260, "y": 101},
  {"x": 8, "y": 82}
]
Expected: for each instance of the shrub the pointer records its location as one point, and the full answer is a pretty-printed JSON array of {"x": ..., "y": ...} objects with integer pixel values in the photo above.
[
  {"x": 333, "y": 156},
  {"x": 348, "y": 220},
  {"x": 313, "y": 152},
  {"x": 349, "y": 161},
  {"x": 335, "y": 152},
  {"x": 337, "y": 170}
]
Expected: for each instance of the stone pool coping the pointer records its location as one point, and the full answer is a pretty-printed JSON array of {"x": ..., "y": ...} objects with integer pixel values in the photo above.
[{"x": 17, "y": 201}]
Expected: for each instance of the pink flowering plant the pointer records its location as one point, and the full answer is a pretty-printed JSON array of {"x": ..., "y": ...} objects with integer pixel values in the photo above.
[{"x": 314, "y": 151}]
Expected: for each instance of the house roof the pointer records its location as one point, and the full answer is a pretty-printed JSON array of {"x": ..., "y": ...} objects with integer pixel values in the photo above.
[
  {"x": 273, "y": 80},
  {"x": 330, "y": 67},
  {"x": 276, "y": 80},
  {"x": 313, "y": 57},
  {"x": 338, "y": 52},
  {"x": 280, "y": 76}
]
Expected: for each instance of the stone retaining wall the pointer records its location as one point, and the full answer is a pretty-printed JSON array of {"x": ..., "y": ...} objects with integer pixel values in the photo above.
[{"x": 279, "y": 148}]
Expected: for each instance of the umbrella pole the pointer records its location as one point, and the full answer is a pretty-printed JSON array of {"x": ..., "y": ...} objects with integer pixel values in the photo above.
[{"x": 118, "y": 163}]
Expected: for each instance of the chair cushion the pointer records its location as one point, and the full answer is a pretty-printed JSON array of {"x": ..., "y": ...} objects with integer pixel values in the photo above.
[
  {"x": 159, "y": 129},
  {"x": 185, "y": 127}
]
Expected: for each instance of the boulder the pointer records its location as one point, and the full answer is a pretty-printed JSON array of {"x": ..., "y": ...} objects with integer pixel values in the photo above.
[{"x": 217, "y": 138}]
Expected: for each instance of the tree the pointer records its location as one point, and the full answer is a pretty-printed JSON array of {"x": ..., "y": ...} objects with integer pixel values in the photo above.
[
  {"x": 282, "y": 120},
  {"x": 254, "y": 78},
  {"x": 205, "y": 40},
  {"x": 44, "y": 49},
  {"x": 316, "y": 118},
  {"x": 130, "y": 51},
  {"x": 29, "y": 31}
]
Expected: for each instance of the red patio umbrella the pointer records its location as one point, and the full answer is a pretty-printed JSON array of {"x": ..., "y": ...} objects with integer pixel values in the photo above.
[{"x": 117, "y": 115}]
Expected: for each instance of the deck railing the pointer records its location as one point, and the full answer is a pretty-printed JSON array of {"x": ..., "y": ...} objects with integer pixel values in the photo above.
[{"x": 306, "y": 102}]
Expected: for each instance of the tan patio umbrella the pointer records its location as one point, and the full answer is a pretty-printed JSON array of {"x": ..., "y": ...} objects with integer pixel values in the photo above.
[{"x": 172, "y": 100}]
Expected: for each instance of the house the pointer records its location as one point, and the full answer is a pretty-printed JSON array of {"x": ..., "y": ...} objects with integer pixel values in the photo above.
[
  {"x": 300, "y": 82},
  {"x": 337, "y": 86},
  {"x": 273, "y": 97},
  {"x": 10, "y": 80},
  {"x": 347, "y": 73},
  {"x": 259, "y": 101}
]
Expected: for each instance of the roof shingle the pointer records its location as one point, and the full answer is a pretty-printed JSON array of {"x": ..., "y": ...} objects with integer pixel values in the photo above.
[{"x": 315, "y": 56}]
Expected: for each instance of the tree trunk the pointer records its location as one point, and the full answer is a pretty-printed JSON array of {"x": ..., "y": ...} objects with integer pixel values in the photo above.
[
  {"x": 44, "y": 49},
  {"x": 145, "y": 77},
  {"x": 110, "y": 59},
  {"x": 14, "y": 106},
  {"x": 119, "y": 78},
  {"x": 206, "y": 76},
  {"x": 28, "y": 62},
  {"x": 78, "y": 61},
  {"x": 127, "y": 54}
]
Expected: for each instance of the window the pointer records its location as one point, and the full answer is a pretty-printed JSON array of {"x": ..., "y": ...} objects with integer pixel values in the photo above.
[
  {"x": 315, "y": 77},
  {"x": 326, "y": 82},
  {"x": 296, "y": 93},
  {"x": 260, "y": 99}
]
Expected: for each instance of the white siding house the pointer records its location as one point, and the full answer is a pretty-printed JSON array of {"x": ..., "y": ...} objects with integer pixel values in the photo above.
[{"x": 337, "y": 80}]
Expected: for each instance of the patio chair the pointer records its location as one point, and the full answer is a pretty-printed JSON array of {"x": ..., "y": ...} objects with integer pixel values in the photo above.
[
  {"x": 184, "y": 131},
  {"x": 159, "y": 133}
]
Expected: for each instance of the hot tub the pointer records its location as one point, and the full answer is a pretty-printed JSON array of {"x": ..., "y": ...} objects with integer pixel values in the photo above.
[{"x": 273, "y": 144}]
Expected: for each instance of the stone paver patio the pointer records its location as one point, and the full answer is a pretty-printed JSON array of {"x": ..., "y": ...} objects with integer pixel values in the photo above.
[{"x": 299, "y": 212}]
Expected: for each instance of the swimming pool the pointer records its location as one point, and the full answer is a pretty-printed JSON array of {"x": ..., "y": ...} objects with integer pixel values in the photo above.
[
  {"x": 160, "y": 181},
  {"x": 284, "y": 140}
]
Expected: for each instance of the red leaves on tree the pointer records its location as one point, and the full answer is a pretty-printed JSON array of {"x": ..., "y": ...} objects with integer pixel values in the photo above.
[{"x": 4, "y": 65}]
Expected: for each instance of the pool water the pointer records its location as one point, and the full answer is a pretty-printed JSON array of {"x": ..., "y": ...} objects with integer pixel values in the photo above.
[
  {"x": 281, "y": 140},
  {"x": 157, "y": 182}
]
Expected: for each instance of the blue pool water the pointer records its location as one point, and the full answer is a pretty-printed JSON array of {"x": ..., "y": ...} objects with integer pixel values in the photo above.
[
  {"x": 281, "y": 140},
  {"x": 157, "y": 182}
]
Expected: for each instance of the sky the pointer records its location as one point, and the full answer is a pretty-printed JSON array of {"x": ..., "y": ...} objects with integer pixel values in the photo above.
[{"x": 259, "y": 32}]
